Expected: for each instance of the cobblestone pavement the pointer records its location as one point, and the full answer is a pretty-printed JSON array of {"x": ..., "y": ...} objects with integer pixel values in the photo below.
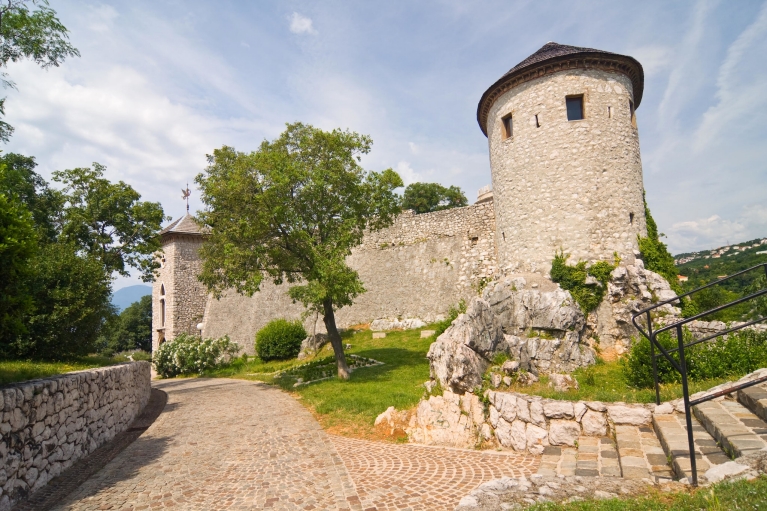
[
  {"x": 233, "y": 444},
  {"x": 389, "y": 477}
]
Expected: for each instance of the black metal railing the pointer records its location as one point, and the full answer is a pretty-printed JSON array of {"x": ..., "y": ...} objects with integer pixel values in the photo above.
[{"x": 680, "y": 365}]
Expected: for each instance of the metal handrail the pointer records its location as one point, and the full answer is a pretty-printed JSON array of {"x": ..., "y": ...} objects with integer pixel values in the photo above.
[{"x": 681, "y": 366}]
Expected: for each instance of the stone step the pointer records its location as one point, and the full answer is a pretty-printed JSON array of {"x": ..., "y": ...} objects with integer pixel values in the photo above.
[
  {"x": 640, "y": 454},
  {"x": 735, "y": 427},
  {"x": 672, "y": 433},
  {"x": 593, "y": 456},
  {"x": 755, "y": 399}
]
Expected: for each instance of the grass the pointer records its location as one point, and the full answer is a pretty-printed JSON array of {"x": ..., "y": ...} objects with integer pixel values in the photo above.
[
  {"x": 350, "y": 407},
  {"x": 605, "y": 381},
  {"x": 732, "y": 496},
  {"x": 20, "y": 370}
]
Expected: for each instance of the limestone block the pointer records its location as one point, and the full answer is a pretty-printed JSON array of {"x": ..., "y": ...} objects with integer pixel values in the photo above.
[
  {"x": 594, "y": 423},
  {"x": 579, "y": 409},
  {"x": 558, "y": 409},
  {"x": 633, "y": 415},
  {"x": 537, "y": 438},
  {"x": 537, "y": 414},
  {"x": 564, "y": 432},
  {"x": 379, "y": 335}
]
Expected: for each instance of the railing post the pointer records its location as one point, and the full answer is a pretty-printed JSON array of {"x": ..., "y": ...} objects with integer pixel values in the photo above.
[
  {"x": 652, "y": 356},
  {"x": 687, "y": 410}
]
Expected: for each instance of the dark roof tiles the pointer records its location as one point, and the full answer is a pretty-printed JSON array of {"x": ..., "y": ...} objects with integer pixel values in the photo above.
[{"x": 184, "y": 225}]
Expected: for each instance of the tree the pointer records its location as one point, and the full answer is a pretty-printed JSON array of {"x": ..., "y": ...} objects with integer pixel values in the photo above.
[
  {"x": 132, "y": 328},
  {"x": 18, "y": 245},
  {"x": 108, "y": 221},
  {"x": 291, "y": 212},
  {"x": 428, "y": 197},
  {"x": 35, "y": 34}
]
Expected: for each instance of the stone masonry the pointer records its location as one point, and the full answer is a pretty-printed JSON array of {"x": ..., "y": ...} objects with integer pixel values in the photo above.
[{"x": 49, "y": 424}]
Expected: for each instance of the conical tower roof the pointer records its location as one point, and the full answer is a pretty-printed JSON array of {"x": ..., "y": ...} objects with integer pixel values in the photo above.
[
  {"x": 553, "y": 57},
  {"x": 184, "y": 225}
]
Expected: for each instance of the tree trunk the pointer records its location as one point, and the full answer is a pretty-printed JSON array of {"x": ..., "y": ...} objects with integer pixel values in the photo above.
[{"x": 335, "y": 339}]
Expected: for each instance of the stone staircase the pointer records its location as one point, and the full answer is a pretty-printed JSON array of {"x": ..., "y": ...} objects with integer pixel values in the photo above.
[{"x": 723, "y": 430}]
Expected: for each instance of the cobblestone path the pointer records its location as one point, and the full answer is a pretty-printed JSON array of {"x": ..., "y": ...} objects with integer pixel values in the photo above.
[{"x": 233, "y": 444}]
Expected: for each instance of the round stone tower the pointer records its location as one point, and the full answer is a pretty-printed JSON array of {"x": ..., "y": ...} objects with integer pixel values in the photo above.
[{"x": 564, "y": 157}]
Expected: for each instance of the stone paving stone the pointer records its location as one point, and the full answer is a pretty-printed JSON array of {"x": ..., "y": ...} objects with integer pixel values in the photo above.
[
  {"x": 735, "y": 427},
  {"x": 755, "y": 399},
  {"x": 389, "y": 476},
  {"x": 672, "y": 433},
  {"x": 233, "y": 444}
]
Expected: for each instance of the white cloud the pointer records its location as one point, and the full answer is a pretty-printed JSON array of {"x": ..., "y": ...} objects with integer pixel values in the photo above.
[
  {"x": 654, "y": 59},
  {"x": 100, "y": 18},
  {"x": 715, "y": 231},
  {"x": 301, "y": 24},
  {"x": 407, "y": 173},
  {"x": 413, "y": 148}
]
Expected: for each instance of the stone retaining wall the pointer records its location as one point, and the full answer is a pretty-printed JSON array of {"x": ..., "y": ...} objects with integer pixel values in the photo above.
[
  {"x": 518, "y": 421},
  {"x": 49, "y": 424}
]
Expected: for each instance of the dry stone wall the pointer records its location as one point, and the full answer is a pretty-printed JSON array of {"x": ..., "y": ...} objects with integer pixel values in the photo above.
[
  {"x": 417, "y": 268},
  {"x": 575, "y": 185},
  {"x": 49, "y": 424}
]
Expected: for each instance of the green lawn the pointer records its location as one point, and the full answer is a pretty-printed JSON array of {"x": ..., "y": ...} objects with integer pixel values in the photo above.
[
  {"x": 605, "y": 382},
  {"x": 737, "y": 496},
  {"x": 21, "y": 370},
  {"x": 350, "y": 407}
]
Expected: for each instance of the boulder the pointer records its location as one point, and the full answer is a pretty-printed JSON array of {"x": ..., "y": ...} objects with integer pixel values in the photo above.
[
  {"x": 555, "y": 355},
  {"x": 632, "y": 415},
  {"x": 562, "y": 382},
  {"x": 460, "y": 356},
  {"x": 525, "y": 379},
  {"x": 311, "y": 345},
  {"x": 510, "y": 367},
  {"x": 594, "y": 423}
]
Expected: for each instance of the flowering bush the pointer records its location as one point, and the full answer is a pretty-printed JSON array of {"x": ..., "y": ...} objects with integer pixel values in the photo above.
[{"x": 188, "y": 354}]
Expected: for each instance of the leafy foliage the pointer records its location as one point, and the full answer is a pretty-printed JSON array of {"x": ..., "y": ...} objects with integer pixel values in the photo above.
[
  {"x": 280, "y": 339},
  {"x": 109, "y": 221},
  {"x": 428, "y": 197},
  {"x": 44, "y": 203},
  {"x": 574, "y": 279},
  {"x": 452, "y": 313},
  {"x": 131, "y": 329},
  {"x": 18, "y": 245},
  {"x": 291, "y": 212},
  {"x": 188, "y": 354},
  {"x": 655, "y": 254},
  {"x": 733, "y": 356},
  {"x": 34, "y": 34}
]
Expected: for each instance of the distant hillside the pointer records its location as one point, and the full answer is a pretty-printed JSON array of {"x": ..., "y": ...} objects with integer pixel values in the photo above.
[
  {"x": 122, "y": 298},
  {"x": 708, "y": 265}
]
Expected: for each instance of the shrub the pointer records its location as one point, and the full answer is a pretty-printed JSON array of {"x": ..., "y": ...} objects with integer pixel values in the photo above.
[
  {"x": 188, "y": 354},
  {"x": 573, "y": 279},
  {"x": 452, "y": 313},
  {"x": 732, "y": 356},
  {"x": 280, "y": 339}
]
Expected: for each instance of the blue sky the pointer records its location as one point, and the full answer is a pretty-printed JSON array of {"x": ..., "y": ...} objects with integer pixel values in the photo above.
[{"x": 161, "y": 84}]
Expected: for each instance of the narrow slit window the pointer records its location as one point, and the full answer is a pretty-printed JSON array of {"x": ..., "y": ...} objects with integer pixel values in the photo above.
[
  {"x": 609, "y": 112},
  {"x": 633, "y": 114},
  {"x": 574, "y": 108},
  {"x": 537, "y": 122},
  {"x": 631, "y": 218},
  {"x": 508, "y": 126}
]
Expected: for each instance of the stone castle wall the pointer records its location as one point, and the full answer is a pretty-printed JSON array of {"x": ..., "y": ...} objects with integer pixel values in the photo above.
[
  {"x": 185, "y": 296},
  {"x": 49, "y": 424},
  {"x": 419, "y": 267},
  {"x": 575, "y": 185}
]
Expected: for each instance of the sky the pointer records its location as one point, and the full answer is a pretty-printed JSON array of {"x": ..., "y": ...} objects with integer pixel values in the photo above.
[{"x": 160, "y": 84}]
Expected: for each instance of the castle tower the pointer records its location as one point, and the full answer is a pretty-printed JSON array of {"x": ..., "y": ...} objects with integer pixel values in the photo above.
[
  {"x": 178, "y": 298},
  {"x": 564, "y": 157}
]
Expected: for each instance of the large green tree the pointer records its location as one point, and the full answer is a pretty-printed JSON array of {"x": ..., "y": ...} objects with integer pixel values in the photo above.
[
  {"x": 109, "y": 222},
  {"x": 291, "y": 212},
  {"x": 18, "y": 245},
  {"x": 30, "y": 30},
  {"x": 428, "y": 197},
  {"x": 132, "y": 328}
]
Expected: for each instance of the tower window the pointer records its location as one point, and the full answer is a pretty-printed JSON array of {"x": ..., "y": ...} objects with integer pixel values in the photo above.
[
  {"x": 508, "y": 126},
  {"x": 631, "y": 218},
  {"x": 633, "y": 114},
  {"x": 574, "y": 108},
  {"x": 609, "y": 112},
  {"x": 537, "y": 121}
]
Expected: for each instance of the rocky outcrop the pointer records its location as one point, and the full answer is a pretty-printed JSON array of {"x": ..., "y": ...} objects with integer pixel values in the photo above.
[
  {"x": 541, "y": 355},
  {"x": 450, "y": 420},
  {"x": 461, "y": 355},
  {"x": 311, "y": 345},
  {"x": 631, "y": 288}
]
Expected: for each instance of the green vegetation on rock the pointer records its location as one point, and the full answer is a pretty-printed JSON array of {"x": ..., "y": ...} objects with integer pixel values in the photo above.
[
  {"x": 655, "y": 254},
  {"x": 575, "y": 279}
]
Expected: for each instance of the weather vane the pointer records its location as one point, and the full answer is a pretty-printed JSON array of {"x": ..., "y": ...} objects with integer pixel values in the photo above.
[{"x": 186, "y": 193}]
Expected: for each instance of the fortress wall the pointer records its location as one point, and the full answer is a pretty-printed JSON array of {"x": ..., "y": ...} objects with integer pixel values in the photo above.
[
  {"x": 566, "y": 184},
  {"x": 418, "y": 267}
]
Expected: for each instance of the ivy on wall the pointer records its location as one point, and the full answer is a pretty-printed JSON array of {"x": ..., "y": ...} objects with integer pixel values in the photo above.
[
  {"x": 575, "y": 279},
  {"x": 655, "y": 254}
]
